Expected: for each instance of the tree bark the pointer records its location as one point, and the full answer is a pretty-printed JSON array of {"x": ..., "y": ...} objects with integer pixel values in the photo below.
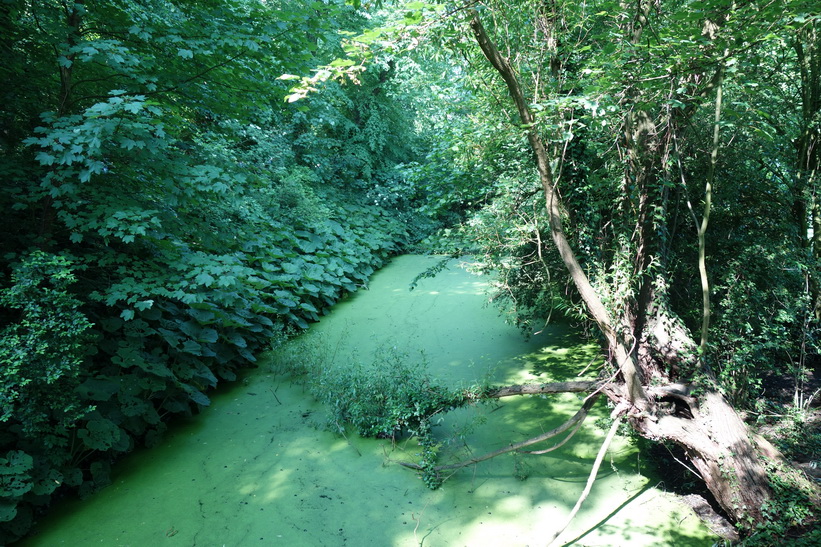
[
  {"x": 542, "y": 389},
  {"x": 714, "y": 437},
  {"x": 619, "y": 351}
]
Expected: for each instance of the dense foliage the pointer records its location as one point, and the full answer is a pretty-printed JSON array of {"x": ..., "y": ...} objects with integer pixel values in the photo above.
[
  {"x": 184, "y": 181},
  {"x": 683, "y": 142},
  {"x": 588, "y": 81},
  {"x": 168, "y": 213}
]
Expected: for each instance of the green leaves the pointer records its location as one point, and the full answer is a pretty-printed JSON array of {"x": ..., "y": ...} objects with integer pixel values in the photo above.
[
  {"x": 191, "y": 216},
  {"x": 387, "y": 399},
  {"x": 43, "y": 351},
  {"x": 100, "y": 433},
  {"x": 15, "y": 469}
]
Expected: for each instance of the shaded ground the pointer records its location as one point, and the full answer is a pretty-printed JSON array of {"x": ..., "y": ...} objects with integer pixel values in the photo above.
[{"x": 793, "y": 423}]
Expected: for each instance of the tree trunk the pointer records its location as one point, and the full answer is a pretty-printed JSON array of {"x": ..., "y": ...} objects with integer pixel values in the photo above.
[
  {"x": 619, "y": 351},
  {"x": 714, "y": 437},
  {"x": 808, "y": 147},
  {"x": 74, "y": 20},
  {"x": 717, "y": 443}
]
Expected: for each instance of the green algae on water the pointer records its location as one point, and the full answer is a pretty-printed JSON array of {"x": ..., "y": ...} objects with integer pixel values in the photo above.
[{"x": 260, "y": 467}]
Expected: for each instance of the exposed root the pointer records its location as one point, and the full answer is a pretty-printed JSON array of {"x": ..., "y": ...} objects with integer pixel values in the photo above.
[{"x": 715, "y": 522}]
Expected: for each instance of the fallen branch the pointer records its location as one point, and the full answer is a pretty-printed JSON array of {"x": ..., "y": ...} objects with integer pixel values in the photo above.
[
  {"x": 576, "y": 419},
  {"x": 591, "y": 479},
  {"x": 557, "y": 445},
  {"x": 342, "y": 432},
  {"x": 583, "y": 386}
]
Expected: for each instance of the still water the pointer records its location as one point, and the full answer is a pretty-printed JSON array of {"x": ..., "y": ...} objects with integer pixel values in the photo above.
[{"x": 258, "y": 467}]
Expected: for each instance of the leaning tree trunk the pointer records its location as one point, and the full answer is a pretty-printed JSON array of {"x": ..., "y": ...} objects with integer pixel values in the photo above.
[
  {"x": 714, "y": 437},
  {"x": 619, "y": 350},
  {"x": 718, "y": 444}
]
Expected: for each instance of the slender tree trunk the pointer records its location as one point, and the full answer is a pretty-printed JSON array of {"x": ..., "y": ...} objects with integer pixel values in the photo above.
[
  {"x": 620, "y": 353},
  {"x": 74, "y": 19},
  {"x": 705, "y": 220},
  {"x": 714, "y": 437}
]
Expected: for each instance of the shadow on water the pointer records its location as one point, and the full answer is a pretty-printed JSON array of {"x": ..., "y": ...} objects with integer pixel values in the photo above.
[
  {"x": 564, "y": 358},
  {"x": 259, "y": 467},
  {"x": 667, "y": 533}
]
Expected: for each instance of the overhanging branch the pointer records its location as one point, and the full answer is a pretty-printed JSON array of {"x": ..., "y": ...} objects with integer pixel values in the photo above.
[
  {"x": 584, "y": 386},
  {"x": 577, "y": 418}
]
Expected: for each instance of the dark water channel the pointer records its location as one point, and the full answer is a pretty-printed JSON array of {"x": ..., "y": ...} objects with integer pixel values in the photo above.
[{"x": 258, "y": 468}]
